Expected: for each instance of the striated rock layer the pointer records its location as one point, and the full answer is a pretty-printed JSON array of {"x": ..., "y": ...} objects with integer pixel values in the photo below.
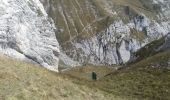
[
  {"x": 107, "y": 31},
  {"x": 27, "y": 33}
]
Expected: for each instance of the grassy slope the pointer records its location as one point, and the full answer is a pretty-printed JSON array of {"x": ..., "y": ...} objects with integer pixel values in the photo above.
[
  {"x": 88, "y": 17},
  {"x": 140, "y": 80},
  {"x": 147, "y": 79},
  {"x": 23, "y": 81},
  {"x": 85, "y": 72},
  {"x": 149, "y": 50}
]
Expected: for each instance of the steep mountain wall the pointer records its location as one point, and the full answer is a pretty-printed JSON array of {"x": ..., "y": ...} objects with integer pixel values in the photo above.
[
  {"x": 107, "y": 31},
  {"x": 27, "y": 33}
]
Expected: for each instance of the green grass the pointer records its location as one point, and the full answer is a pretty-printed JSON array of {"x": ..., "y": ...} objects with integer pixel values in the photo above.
[
  {"x": 140, "y": 36},
  {"x": 85, "y": 72},
  {"x": 149, "y": 49},
  {"x": 147, "y": 79},
  {"x": 24, "y": 81},
  {"x": 140, "y": 81}
]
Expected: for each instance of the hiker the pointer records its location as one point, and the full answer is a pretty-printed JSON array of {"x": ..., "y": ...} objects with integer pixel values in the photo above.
[{"x": 94, "y": 76}]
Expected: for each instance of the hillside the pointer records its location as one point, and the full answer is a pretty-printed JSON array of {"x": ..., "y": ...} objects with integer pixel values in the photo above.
[
  {"x": 148, "y": 79},
  {"x": 51, "y": 49},
  {"x": 107, "y": 31},
  {"x": 80, "y": 18},
  {"x": 24, "y": 81},
  {"x": 152, "y": 48}
]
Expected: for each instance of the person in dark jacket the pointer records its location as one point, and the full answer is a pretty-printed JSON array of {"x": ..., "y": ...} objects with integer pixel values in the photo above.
[{"x": 94, "y": 76}]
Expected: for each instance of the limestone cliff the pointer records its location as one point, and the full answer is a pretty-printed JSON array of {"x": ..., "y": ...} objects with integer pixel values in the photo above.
[
  {"x": 107, "y": 31},
  {"x": 27, "y": 33}
]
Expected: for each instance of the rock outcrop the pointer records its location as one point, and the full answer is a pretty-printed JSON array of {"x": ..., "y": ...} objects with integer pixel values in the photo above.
[
  {"x": 27, "y": 33},
  {"x": 107, "y": 31}
]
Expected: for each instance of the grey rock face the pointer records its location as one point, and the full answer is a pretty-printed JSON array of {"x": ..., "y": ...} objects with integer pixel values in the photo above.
[
  {"x": 27, "y": 33},
  {"x": 107, "y": 31}
]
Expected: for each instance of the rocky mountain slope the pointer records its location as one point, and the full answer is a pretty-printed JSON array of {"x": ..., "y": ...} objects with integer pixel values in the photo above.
[
  {"x": 89, "y": 32},
  {"x": 107, "y": 31},
  {"x": 142, "y": 80},
  {"x": 27, "y": 33},
  {"x": 145, "y": 79}
]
